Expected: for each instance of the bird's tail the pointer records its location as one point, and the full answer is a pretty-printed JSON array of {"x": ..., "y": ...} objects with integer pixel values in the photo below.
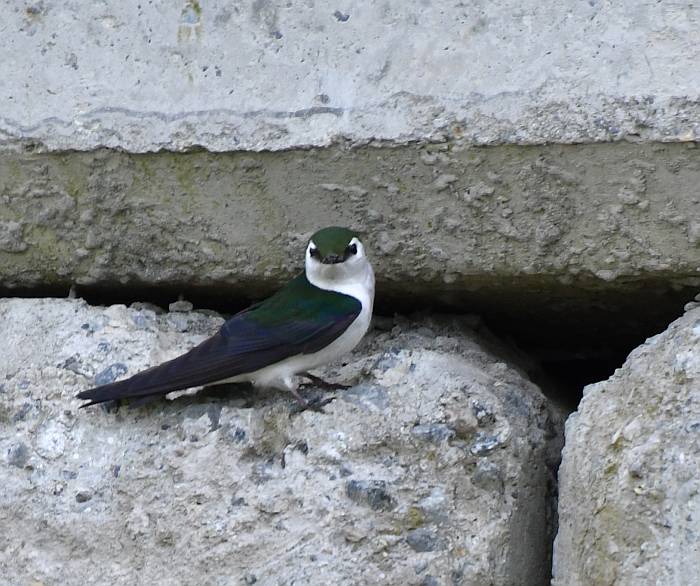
[
  {"x": 148, "y": 383},
  {"x": 200, "y": 366}
]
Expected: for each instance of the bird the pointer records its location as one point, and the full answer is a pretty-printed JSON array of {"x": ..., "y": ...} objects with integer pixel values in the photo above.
[{"x": 317, "y": 317}]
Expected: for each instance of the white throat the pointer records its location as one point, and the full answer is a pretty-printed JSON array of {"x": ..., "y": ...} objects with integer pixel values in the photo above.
[{"x": 354, "y": 278}]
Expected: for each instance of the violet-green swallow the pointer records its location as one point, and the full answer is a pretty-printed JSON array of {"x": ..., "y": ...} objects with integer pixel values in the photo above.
[{"x": 317, "y": 317}]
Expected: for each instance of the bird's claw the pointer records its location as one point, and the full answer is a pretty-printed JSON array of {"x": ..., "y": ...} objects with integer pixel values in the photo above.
[
  {"x": 317, "y": 381},
  {"x": 316, "y": 404},
  {"x": 319, "y": 404}
]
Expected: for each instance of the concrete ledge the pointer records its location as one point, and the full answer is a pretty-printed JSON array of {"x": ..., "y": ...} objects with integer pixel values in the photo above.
[
  {"x": 175, "y": 76},
  {"x": 601, "y": 240},
  {"x": 442, "y": 217}
]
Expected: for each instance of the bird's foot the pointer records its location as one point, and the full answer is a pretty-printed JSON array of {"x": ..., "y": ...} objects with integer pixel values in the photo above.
[
  {"x": 316, "y": 404},
  {"x": 317, "y": 381}
]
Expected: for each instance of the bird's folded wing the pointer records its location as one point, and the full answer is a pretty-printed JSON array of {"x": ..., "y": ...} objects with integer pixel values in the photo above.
[{"x": 247, "y": 342}]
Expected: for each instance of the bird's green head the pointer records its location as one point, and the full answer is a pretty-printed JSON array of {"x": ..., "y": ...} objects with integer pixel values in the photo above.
[
  {"x": 335, "y": 259},
  {"x": 333, "y": 245}
]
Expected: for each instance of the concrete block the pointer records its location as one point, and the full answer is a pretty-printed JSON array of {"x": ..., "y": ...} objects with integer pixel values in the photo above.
[{"x": 263, "y": 75}]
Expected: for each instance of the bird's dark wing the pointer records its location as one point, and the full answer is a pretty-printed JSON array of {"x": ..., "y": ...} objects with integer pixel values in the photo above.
[{"x": 298, "y": 319}]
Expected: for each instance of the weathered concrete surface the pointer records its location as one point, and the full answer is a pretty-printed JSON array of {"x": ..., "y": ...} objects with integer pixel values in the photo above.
[
  {"x": 434, "y": 468},
  {"x": 629, "y": 507},
  {"x": 443, "y": 217},
  {"x": 262, "y": 75},
  {"x": 526, "y": 232}
]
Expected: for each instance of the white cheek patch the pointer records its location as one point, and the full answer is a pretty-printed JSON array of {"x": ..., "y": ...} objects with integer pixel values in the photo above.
[{"x": 360, "y": 248}]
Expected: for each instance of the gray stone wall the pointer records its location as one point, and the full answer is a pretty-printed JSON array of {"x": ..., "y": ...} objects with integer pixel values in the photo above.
[
  {"x": 536, "y": 163},
  {"x": 262, "y": 75},
  {"x": 443, "y": 216}
]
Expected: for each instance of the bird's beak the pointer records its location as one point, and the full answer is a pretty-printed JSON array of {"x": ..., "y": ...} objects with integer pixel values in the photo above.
[{"x": 332, "y": 259}]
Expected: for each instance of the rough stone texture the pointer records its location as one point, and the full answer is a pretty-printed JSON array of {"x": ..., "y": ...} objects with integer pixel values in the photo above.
[
  {"x": 422, "y": 110},
  {"x": 522, "y": 232},
  {"x": 264, "y": 75},
  {"x": 629, "y": 508},
  {"x": 434, "y": 468},
  {"x": 438, "y": 215}
]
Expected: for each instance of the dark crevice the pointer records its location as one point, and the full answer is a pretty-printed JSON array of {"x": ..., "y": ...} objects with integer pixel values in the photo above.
[{"x": 576, "y": 336}]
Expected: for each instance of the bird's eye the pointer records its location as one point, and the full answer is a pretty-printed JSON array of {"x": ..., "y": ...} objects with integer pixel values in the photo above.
[
  {"x": 314, "y": 252},
  {"x": 352, "y": 249}
]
